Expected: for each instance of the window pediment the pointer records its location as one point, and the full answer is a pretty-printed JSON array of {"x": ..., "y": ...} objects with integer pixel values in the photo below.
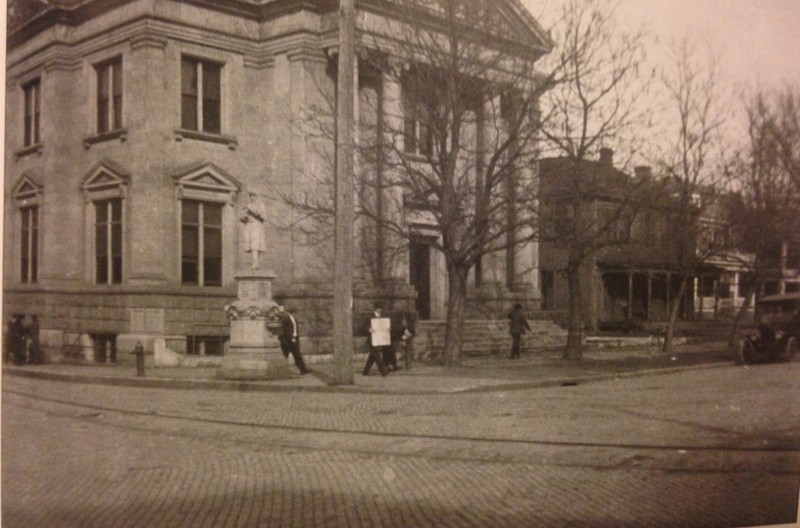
[
  {"x": 206, "y": 181},
  {"x": 105, "y": 180},
  {"x": 27, "y": 191}
]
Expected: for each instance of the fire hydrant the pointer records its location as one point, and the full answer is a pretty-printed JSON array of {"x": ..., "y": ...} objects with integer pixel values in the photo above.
[{"x": 138, "y": 351}]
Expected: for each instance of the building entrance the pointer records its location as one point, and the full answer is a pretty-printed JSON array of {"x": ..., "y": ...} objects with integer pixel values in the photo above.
[{"x": 420, "y": 276}]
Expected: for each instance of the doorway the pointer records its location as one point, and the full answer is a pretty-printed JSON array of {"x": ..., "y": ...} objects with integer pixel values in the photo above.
[{"x": 420, "y": 276}]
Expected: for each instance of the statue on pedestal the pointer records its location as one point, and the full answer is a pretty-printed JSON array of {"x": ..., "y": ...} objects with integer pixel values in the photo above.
[{"x": 253, "y": 216}]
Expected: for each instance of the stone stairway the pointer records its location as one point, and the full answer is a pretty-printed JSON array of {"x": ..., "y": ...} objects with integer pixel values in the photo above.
[{"x": 487, "y": 337}]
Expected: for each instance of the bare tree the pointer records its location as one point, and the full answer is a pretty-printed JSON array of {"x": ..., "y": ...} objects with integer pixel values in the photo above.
[
  {"x": 696, "y": 107},
  {"x": 594, "y": 107},
  {"x": 449, "y": 134},
  {"x": 764, "y": 208}
]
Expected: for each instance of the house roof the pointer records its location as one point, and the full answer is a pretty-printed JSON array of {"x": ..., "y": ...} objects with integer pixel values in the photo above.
[{"x": 600, "y": 179}]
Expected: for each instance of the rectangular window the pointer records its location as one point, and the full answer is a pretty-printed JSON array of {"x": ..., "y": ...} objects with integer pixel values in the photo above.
[
  {"x": 201, "y": 95},
  {"x": 33, "y": 107},
  {"x": 109, "y": 95},
  {"x": 108, "y": 241},
  {"x": 418, "y": 138},
  {"x": 205, "y": 345},
  {"x": 105, "y": 348},
  {"x": 29, "y": 245},
  {"x": 201, "y": 246}
]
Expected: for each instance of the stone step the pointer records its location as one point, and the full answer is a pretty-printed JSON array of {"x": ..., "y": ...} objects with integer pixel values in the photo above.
[{"x": 487, "y": 337}]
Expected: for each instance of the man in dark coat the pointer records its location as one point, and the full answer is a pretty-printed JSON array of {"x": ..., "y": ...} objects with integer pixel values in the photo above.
[
  {"x": 290, "y": 340},
  {"x": 518, "y": 324}
]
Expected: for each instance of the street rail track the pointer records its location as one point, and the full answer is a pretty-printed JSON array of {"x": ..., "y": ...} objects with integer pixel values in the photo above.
[{"x": 684, "y": 448}]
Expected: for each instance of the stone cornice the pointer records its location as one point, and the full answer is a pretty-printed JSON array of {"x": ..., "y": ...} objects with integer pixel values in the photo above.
[
  {"x": 85, "y": 11},
  {"x": 148, "y": 39}
]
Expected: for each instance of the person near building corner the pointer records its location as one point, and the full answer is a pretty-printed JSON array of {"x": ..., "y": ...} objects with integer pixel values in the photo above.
[
  {"x": 290, "y": 339},
  {"x": 518, "y": 324}
]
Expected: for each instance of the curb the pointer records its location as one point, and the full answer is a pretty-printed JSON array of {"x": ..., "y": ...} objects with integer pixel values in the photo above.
[{"x": 262, "y": 386}]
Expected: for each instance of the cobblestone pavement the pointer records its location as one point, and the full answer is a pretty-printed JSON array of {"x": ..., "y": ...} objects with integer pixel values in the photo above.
[{"x": 717, "y": 447}]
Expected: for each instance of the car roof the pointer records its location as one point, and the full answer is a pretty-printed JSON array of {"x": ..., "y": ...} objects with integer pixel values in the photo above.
[{"x": 795, "y": 296}]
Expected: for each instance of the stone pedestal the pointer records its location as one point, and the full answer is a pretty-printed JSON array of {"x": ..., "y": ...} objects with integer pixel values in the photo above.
[{"x": 254, "y": 351}]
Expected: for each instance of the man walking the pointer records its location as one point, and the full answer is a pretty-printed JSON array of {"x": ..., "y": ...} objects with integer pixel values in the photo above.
[
  {"x": 290, "y": 340},
  {"x": 518, "y": 324},
  {"x": 375, "y": 352}
]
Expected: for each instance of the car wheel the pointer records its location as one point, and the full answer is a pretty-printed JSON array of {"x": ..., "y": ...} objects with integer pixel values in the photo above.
[{"x": 790, "y": 350}]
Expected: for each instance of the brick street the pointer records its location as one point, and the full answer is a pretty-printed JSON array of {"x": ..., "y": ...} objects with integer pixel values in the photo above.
[{"x": 715, "y": 447}]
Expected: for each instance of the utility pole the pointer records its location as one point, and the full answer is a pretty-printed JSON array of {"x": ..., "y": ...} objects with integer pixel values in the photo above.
[{"x": 345, "y": 161}]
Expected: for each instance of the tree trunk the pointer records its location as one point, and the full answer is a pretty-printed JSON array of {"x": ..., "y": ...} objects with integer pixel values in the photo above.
[
  {"x": 737, "y": 321},
  {"x": 454, "y": 327},
  {"x": 669, "y": 331},
  {"x": 574, "y": 349}
]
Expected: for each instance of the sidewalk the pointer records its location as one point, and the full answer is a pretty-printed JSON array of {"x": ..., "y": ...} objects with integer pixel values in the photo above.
[{"x": 491, "y": 373}]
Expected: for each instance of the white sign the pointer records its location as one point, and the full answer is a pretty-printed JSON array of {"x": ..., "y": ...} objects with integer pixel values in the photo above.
[{"x": 379, "y": 330}]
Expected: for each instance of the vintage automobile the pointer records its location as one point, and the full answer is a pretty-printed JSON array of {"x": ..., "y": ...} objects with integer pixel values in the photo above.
[{"x": 777, "y": 334}]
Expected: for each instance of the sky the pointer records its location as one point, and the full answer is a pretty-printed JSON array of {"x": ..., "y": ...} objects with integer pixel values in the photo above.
[{"x": 757, "y": 42}]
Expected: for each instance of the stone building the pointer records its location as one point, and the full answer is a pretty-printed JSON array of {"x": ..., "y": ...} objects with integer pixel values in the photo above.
[{"x": 135, "y": 130}]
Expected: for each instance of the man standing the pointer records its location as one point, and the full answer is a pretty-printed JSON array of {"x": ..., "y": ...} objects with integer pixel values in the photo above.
[
  {"x": 290, "y": 340},
  {"x": 518, "y": 323}
]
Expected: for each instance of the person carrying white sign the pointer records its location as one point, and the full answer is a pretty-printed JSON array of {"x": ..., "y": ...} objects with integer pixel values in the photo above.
[{"x": 378, "y": 336}]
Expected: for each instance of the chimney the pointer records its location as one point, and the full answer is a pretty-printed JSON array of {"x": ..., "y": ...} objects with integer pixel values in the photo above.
[
  {"x": 606, "y": 157},
  {"x": 643, "y": 171}
]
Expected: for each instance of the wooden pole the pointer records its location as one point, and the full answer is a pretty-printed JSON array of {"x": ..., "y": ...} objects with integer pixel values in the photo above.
[{"x": 345, "y": 160}]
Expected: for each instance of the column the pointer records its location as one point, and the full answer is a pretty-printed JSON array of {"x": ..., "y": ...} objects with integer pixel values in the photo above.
[{"x": 395, "y": 262}]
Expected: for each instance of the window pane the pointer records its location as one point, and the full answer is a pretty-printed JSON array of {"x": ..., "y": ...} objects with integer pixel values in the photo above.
[
  {"x": 189, "y": 94},
  {"x": 212, "y": 266},
  {"x": 101, "y": 212},
  {"x": 190, "y": 212},
  {"x": 101, "y": 267},
  {"x": 116, "y": 270},
  {"x": 211, "y": 81},
  {"x": 102, "y": 116},
  {"x": 190, "y": 243},
  {"x": 211, "y": 97},
  {"x": 425, "y": 139},
  {"x": 25, "y": 266},
  {"x": 212, "y": 214},
  {"x": 189, "y": 112},
  {"x": 410, "y": 138},
  {"x": 189, "y": 272},
  {"x": 212, "y": 242},
  {"x": 116, "y": 240},
  {"x": 116, "y": 210},
  {"x": 116, "y": 72},
  {"x": 188, "y": 77},
  {"x": 102, "y": 81},
  {"x": 100, "y": 240},
  {"x": 117, "y": 123},
  {"x": 211, "y": 117}
]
